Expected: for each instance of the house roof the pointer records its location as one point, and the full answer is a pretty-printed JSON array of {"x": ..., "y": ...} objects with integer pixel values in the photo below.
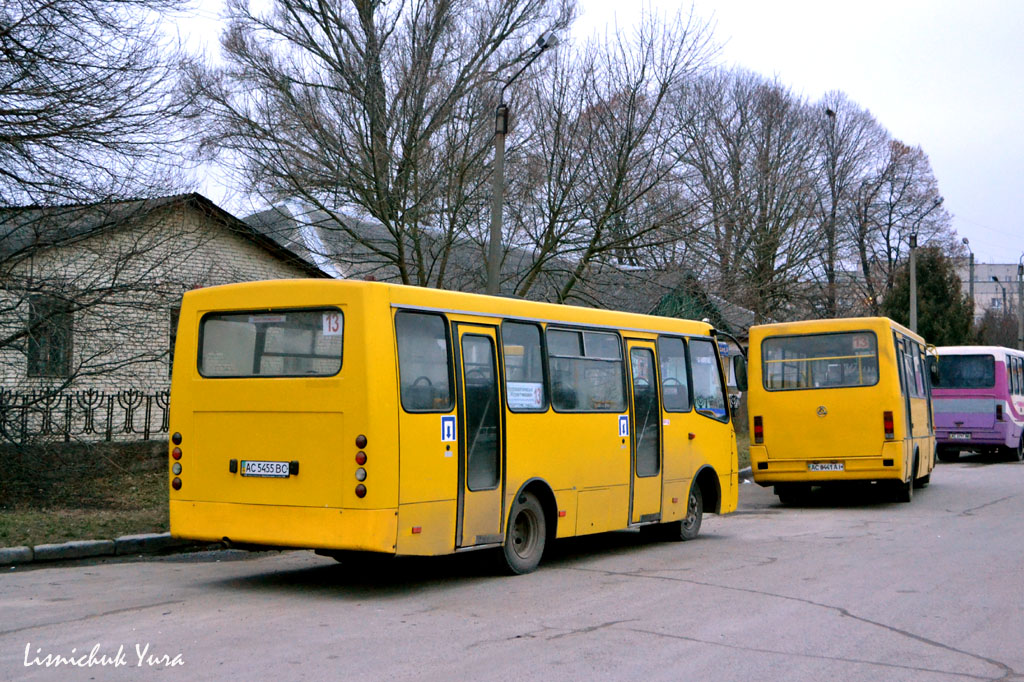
[
  {"x": 361, "y": 248},
  {"x": 25, "y": 229}
]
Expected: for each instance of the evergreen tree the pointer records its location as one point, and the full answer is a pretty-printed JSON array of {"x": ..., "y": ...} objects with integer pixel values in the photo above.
[{"x": 943, "y": 310}]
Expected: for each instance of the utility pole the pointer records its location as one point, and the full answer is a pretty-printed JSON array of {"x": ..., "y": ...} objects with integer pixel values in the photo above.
[
  {"x": 913, "y": 282},
  {"x": 546, "y": 41},
  {"x": 970, "y": 275}
]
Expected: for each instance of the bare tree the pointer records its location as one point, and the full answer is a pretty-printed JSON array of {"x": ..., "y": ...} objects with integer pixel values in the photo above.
[
  {"x": 900, "y": 198},
  {"x": 749, "y": 141},
  {"x": 372, "y": 108},
  {"x": 87, "y": 105},
  {"x": 600, "y": 187},
  {"x": 849, "y": 140}
]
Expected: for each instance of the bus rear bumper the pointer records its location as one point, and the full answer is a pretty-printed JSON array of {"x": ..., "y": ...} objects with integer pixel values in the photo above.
[
  {"x": 373, "y": 530},
  {"x": 1004, "y": 437},
  {"x": 771, "y": 471}
]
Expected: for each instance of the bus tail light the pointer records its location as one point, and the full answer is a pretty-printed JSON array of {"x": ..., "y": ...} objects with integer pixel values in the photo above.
[
  {"x": 758, "y": 430},
  {"x": 999, "y": 412},
  {"x": 360, "y": 490},
  {"x": 890, "y": 429}
]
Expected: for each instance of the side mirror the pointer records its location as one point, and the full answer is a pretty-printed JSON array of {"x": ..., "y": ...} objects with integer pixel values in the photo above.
[
  {"x": 739, "y": 369},
  {"x": 933, "y": 368}
]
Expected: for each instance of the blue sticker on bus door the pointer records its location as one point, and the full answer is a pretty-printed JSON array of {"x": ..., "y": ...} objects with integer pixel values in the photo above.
[
  {"x": 623, "y": 426},
  {"x": 448, "y": 429}
]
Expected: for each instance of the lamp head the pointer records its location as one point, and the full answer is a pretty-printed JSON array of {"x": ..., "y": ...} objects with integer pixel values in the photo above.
[{"x": 546, "y": 40}]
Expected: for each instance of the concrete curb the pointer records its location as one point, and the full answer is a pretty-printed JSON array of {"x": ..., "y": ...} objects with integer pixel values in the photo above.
[
  {"x": 147, "y": 543},
  {"x": 15, "y": 555},
  {"x": 77, "y": 549}
]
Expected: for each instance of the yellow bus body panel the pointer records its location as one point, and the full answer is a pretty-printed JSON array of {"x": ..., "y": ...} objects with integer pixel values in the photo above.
[{"x": 373, "y": 530}]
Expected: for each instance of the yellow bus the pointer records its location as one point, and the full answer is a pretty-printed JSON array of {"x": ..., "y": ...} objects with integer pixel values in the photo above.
[
  {"x": 363, "y": 417},
  {"x": 840, "y": 400}
]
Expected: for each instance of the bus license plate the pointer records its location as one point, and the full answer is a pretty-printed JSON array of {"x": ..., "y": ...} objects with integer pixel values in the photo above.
[
  {"x": 264, "y": 469},
  {"x": 824, "y": 466},
  {"x": 960, "y": 436}
]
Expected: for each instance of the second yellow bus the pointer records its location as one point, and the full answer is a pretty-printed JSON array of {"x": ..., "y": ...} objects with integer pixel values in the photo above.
[{"x": 840, "y": 400}]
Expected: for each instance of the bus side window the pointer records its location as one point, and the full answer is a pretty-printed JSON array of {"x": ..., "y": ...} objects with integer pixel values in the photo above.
[
  {"x": 708, "y": 391},
  {"x": 587, "y": 371},
  {"x": 423, "y": 365},
  {"x": 918, "y": 371},
  {"x": 675, "y": 386},
  {"x": 524, "y": 367}
]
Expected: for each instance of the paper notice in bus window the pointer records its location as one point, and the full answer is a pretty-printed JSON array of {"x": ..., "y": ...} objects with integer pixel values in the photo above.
[
  {"x": 525, "y": 395},
  {"x": 267, "y": 319},
  {"x": 861, "y": 342},
  {"x": 332, "y": 324}
]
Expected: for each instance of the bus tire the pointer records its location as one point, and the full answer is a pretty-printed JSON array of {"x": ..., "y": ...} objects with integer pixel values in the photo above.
[
  {"x": 905, "y": 489},
  {"x": 1016, "y": 453},
  {"x": 948, "y": 454},
  {"x": 527, "y": 535},
  {"x": 689, "y": 527},
  {"x": 792, "y": 493}
]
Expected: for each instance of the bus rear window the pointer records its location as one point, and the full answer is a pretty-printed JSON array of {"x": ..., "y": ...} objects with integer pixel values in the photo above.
[
  {"x": 966, "y": 371},
  {"x": 820, "y": 361},
  {"x": 271, "y": 343}
]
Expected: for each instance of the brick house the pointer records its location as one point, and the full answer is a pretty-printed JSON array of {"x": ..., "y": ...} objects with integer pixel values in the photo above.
[{"x": 89, "y": 298}]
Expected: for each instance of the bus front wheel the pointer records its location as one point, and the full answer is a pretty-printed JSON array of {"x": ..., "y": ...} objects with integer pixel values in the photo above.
[{"x": 527, "y": 534}]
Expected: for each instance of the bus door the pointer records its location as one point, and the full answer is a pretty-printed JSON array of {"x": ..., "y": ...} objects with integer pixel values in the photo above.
[
  {"x": 481, "y": 470},
  {"x": 645, "y": 415},
  {"x": 906, "y": 370}
]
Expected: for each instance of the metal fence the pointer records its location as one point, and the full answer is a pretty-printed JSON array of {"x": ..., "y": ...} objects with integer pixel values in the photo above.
[{"x": 90, "y": 415}]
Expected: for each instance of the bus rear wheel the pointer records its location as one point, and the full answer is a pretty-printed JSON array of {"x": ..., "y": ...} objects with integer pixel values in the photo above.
[
  {"x": 689, "y": 528},
  {"x": 1016, "y": 453},
  {"x": 527, "y": 535},
  {"x": 905, "y": 490},
  {"x": 948, "y": 454},
  {"x": 792, "y": 493}
]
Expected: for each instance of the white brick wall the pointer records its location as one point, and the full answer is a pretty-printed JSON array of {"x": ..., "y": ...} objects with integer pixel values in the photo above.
[{"x": 123, "y": 342}]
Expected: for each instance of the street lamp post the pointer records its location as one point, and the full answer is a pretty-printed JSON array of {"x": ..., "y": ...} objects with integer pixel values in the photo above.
[
  {"x": 547, "y": 40},
  {"x": 996, "y": 280},
  {"x": 970, "y": 275},
  {"x": 913, "y": 282},
  {"x": 913, "y": 263},
  {"x": 1020, "y": 303}
]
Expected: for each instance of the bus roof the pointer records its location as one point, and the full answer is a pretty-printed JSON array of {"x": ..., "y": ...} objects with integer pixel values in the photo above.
[
  {"x": 831, "y": 325},
  {"x": 442, "y": 300},
  {"x": 978, "y": 350}
]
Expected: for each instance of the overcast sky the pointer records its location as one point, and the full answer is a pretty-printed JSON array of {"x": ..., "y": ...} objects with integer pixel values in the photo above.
[
  {"x": 947, "y": 75},
  {"x": 943, "y": 74}
]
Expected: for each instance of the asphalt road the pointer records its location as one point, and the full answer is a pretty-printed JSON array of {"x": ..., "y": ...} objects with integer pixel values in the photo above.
[{"x": 848, "y": 587}]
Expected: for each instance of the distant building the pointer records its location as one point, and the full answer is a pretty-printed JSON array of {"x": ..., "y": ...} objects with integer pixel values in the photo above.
[{"x": 995, "y": 287}]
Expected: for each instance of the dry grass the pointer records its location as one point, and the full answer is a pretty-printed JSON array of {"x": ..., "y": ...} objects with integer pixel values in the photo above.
[{"x": 78, "y": 492}]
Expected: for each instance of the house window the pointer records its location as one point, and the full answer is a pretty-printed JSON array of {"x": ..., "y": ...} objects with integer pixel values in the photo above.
[{"x": 49, "y": 337}]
